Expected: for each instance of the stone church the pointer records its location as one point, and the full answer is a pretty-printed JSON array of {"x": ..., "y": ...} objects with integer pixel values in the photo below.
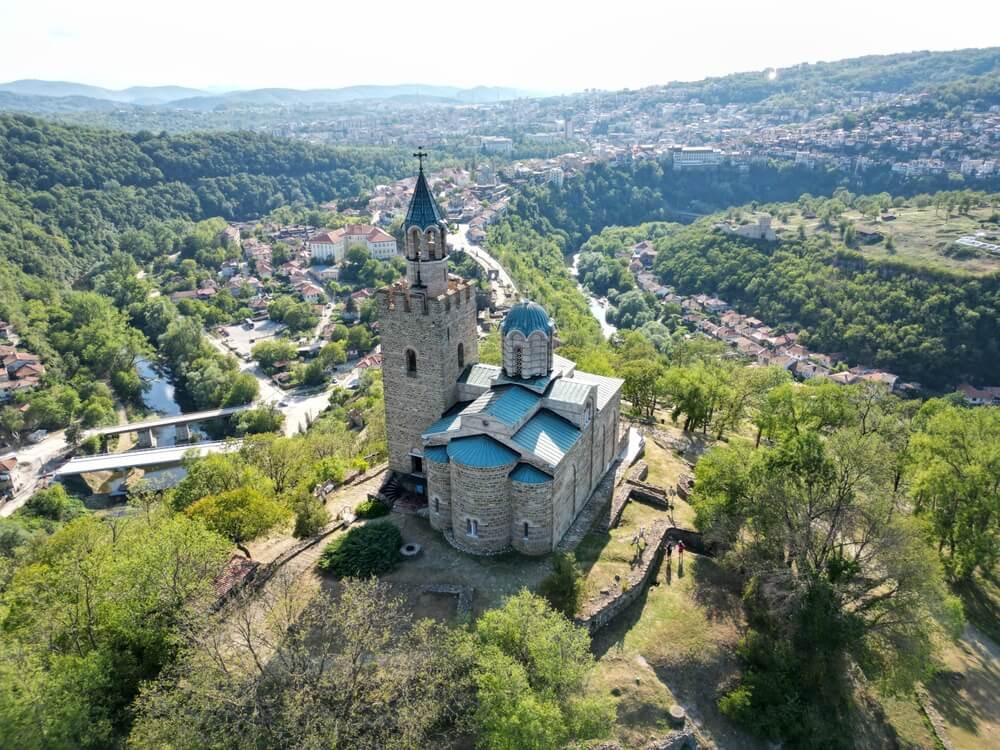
[{"x": 505, "y": 456}]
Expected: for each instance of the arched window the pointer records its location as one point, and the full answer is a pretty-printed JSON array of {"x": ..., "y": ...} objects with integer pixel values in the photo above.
[
  {"x": 413, "y": 244},
  {"x": 518, "y": 360},
  {"x": 461, "y": 355},
  {"x": 525, "y": 529},
  {"x": 433, "y": 243},
  {"x": 411, "y": 362},
  {"x": 437, "y": 505}
]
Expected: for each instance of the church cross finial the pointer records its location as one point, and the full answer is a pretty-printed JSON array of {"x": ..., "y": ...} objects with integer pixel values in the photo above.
[{"x": 421, "y": 155}]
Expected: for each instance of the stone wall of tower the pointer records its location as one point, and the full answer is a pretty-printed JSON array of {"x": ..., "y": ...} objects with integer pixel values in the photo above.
[
  {"x": 432, "y": 328},
  {"x": 438, "y": 494}
]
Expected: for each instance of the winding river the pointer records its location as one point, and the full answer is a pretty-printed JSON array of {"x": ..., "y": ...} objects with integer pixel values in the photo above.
[{"x": 598, "y": 309}]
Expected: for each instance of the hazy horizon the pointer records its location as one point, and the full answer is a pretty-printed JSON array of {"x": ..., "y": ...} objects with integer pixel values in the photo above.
[{"x": 228, "y": 46}]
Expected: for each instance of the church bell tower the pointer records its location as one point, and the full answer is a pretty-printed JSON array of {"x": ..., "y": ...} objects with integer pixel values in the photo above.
[{"x": 428, "y": 334}]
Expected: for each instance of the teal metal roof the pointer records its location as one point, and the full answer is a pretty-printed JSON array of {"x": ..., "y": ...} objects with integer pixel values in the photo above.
[
  {"x": 570, "y": 391},
  {"x": 528, "y": 474},
  {"x": 509, "y": 404},
  {"x": 527, "y": 317},
  {"x": 479, "y": 375},
  {"x": 480, "y": 451},
  {"x": 436, "y": 453},
  {"x": 548, "y": 436},
  {"x": 447, "y": 423},
  {"x": 538, "y": 384},
  {"x": 423, "y": 210},
  {"x": 606, "y": 387}
]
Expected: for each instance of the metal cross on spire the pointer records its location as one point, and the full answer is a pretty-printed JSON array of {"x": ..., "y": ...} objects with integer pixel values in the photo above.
[{"x": 421, "y": 155}]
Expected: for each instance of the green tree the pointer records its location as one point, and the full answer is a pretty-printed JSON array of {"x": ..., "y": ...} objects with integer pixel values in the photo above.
[
  {"x": 955, "y": 482},
  {"x": 531, "y": 673},
  {"x": 240, "y": 515},
  {"x": 212, "y": 475},
  {"x": 262, "y": 419},
  {"x": 94, "y": 613},
  {"x": 268, "y": 353}
]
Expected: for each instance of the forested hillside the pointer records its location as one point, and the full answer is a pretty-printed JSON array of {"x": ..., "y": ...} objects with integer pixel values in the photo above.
[
  {"x": 66, "y": 193},
  {"x": 926, "y": 324},
  {"x": 910, "y": 71}
]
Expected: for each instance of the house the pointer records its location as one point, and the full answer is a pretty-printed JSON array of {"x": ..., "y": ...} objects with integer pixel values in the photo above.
[
  {"x": 645, "y": 253},
  {"x": 231, "y": 236},
  {"x": 844, "y": 378},
  {"x": 230, "y": 268},
  {"x": 747, "y": 347},
  {"x": 715, "y": 305},
  {"x": 880, "y": 376},
  {"x": 205, "y": 293},
  {"x": 807, "y": 370},
  {"x": 980, "y": 396},
  {"x": 776, "y": 360},
  {"x": 8, "y": 480},
  {"x": 311, "y": 292}
]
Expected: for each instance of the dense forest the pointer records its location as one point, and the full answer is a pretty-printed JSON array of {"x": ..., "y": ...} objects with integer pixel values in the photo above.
[
  {"x": 66, "y": 193},
  {"x": 607, "y": 195}
]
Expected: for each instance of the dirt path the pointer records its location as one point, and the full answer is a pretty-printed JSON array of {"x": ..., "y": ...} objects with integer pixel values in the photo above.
[{"x": 967, "y": 692}]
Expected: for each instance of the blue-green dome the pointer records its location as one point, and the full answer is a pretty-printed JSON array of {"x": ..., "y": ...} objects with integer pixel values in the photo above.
[{"x": 527, "y": 317}]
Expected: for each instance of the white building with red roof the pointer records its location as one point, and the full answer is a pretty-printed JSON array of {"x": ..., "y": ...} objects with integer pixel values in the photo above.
[{"x": 334, "y": 244}]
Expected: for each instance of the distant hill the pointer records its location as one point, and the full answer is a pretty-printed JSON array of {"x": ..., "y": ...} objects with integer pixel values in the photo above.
[
  {"x": 179, "y": 97},
  {"x": 298, "y": 97},
  {"x": 146, "y": 95}
]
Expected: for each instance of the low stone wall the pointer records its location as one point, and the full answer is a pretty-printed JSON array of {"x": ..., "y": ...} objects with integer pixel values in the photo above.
[
  {"x": 464, "y": 594},
  {"x": 607, "y": 606},
  {"x": 623, "y": 491},
  {"x": 683, "y": 739}
]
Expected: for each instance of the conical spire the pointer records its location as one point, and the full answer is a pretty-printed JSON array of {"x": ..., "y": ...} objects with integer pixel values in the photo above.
[{"x": 423, "y": 211}]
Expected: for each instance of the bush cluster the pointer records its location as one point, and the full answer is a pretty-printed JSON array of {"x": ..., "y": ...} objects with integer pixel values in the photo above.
[
  {"x": 363, "y": 551},
  {"x": 371, "y": 508}
]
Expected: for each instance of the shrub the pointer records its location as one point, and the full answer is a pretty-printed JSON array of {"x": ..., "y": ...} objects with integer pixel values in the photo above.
[
  {"x": 363, "y": 551},
  {"x": 310, "y": 517},
  {"x": 54, "y": 504},
  {"x": 563, "y": 587},
  {"x": 371, "y": 508}
]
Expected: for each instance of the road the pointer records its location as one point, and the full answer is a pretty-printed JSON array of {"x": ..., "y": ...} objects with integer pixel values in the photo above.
[
  {"x": 34, "y": 462},
  {"x": 505, "y": 290}
]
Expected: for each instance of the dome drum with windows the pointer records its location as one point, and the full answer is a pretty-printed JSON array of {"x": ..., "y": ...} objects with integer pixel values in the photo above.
[{"x": 527, "y": 333}]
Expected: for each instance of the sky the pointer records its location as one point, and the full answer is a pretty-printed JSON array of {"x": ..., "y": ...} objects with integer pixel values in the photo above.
[{"x": 539, "y": 45}]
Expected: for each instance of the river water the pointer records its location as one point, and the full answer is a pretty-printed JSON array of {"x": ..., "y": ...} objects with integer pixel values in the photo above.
[
  {"x": 159, "y": 396},
  {"x": 598, "y": 309}
]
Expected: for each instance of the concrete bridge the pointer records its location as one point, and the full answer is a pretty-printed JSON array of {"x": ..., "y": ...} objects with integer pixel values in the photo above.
[
  {"x": 144, "y": 429},
  {"x": 151, "y": 457}
]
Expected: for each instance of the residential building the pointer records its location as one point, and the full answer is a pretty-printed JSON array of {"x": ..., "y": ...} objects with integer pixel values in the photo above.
[{"x": 333, "y": 245}]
